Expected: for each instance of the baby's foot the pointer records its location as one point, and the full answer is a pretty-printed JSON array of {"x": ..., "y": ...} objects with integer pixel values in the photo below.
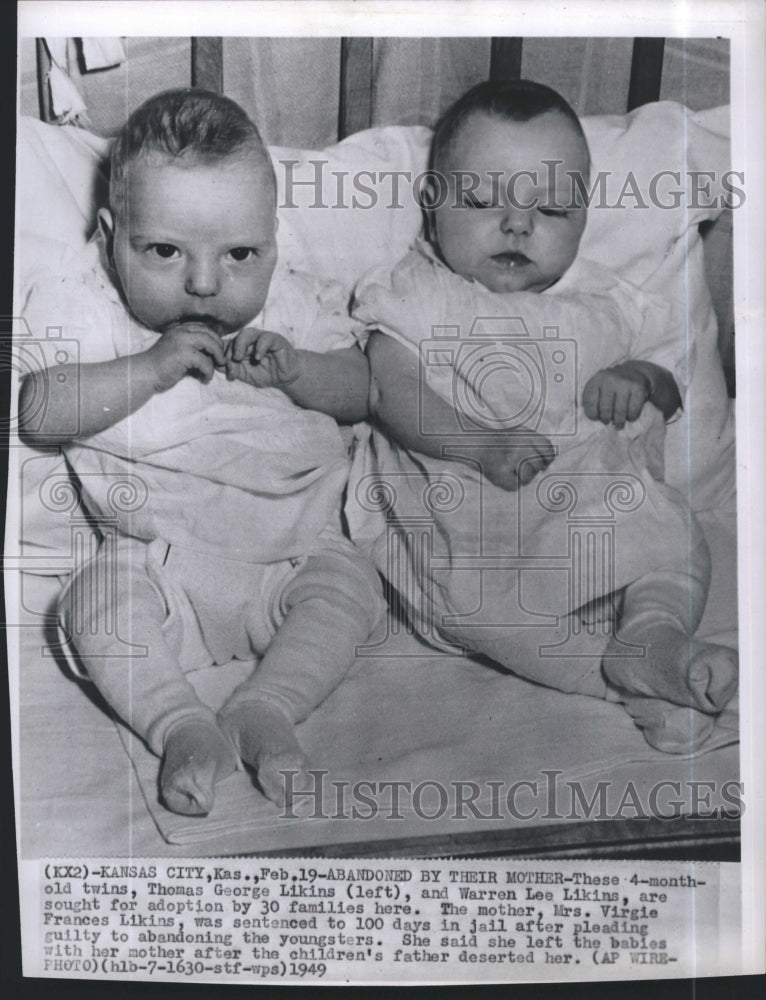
[
  {"x": 668, "y": 727},
  {"x": 265, "y": 739},
  {"x": 675, "y": 668},
  {"x": 713, "y": 675},
  {"x": 197, "y": 755}
]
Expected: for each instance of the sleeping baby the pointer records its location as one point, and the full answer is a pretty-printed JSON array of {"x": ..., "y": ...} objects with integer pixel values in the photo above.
[
  {"x": 466, "y": 440},
  {"x": 234, "y": 548}
]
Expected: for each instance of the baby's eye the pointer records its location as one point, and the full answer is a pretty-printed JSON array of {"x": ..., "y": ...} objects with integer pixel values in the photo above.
[
  {"x": 166, "y": 251},
  {"x": 556, "y": 213},
  {"x": 471, "y": 201},
  {"x": 241, "y": 254}
]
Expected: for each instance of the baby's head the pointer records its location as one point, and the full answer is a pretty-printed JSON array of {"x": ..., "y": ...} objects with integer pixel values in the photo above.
[
  {"x": 504, "y": 213},
  {"x": 191, "y": 228}
]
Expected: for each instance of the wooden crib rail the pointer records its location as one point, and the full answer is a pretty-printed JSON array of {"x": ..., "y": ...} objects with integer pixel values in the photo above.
[
  {"x": 207, "y": 63},
  {"x": 505, "y": 59},
  {"x": 645, "y": 71},
  {"x": 356, "y": 82},
  {"x": 356, "y": 77},
  {"x": 43, "y": 91}
]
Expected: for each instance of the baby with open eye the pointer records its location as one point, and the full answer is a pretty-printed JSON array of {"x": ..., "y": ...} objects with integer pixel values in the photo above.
[{"x": 229, "y": 433}]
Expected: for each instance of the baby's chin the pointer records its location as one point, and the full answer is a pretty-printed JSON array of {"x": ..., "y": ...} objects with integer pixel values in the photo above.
[
  {"x": 504, "y": 282},
  {"x": 510, "y": 272}
]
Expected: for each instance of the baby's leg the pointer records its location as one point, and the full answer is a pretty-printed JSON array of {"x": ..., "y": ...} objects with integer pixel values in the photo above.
[
  {"x": 675, "y": 684},
  {"x": 328, "y": 608},
  {"x": 118, "y": 633}
]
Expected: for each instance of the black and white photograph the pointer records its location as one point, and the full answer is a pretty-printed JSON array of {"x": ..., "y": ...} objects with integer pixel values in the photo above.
[{"x": 383, "y": 577}]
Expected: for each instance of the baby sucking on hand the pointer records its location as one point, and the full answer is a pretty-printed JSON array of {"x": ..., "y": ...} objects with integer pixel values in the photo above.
[
  {"x": 505, "y": 213},
  {"x": 237, "y": 551}
]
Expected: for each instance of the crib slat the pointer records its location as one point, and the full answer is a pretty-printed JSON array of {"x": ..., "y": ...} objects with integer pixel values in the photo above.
[
  {"x": 505, "y": 59},
  {"x": 207, "y": 63},
  {"x": 355, "y": 105},
  {"x": 645, "y": 71},
  {"x": 43, "y": 91}
]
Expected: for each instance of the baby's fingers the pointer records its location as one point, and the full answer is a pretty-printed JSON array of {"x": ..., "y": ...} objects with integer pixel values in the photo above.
[
  {"x": 209, "y": 344},
  {"x": 620, "y": 408},
  {"x": 529, "y": 465},
  {"x": 527, "y": 469},
  {"x": 268, "y": 342},
  {"x": 243, "y": 343},
  {"x": 628, "y": 404},
  {"x": 590, "y": 399},
  {"x": 636, "y": 402},
  {"x": 607, "y": 400},
  {"x": 545, "y": 451},
  {"x": 203, "y": 364}
]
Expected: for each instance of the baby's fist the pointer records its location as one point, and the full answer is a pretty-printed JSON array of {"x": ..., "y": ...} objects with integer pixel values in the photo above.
[
  {"x": 515, "y": 458},
  {"x": 183, "y": 349},
  {"x": 262, "y": 358},
  {"x": 616, "y": 395}
]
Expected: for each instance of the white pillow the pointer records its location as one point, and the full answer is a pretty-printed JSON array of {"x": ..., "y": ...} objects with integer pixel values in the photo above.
[
  {"x": 61, "y": 183},
  {"x": 653, "y": 241}
]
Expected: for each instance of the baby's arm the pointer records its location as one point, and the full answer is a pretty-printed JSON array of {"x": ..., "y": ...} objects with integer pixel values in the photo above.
[
  {"x": 397, "y": 392},
  {"x": 619, "y": 394},
  {"x": 336, "y": 382},
  {"x": 108, "y": 391}
]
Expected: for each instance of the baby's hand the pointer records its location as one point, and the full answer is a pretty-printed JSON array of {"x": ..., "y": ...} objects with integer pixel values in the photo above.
[
  {"x": 262, "y": 358},
  {"x": 183, "y": 349},
  {"x": 616, "y": 395},
  {"x": 515, "y": 458}
]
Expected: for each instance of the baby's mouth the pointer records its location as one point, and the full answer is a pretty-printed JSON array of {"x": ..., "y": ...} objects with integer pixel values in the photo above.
[
  {"x": 511, "y": 259},
  {"x": 207, "y": 322}
]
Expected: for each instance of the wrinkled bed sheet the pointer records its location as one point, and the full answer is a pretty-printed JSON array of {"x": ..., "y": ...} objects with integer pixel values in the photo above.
[{"x": 409, "y": 715}]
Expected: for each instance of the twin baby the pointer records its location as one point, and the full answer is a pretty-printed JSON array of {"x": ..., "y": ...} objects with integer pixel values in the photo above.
[{"x": 225, "y": 424}]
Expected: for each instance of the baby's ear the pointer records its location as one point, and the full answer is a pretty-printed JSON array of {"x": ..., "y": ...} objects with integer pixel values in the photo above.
[
  {"x": 432, "y": 195},
  {"x": 106, "y": 228},
  {"x": 427, "y": 193}
]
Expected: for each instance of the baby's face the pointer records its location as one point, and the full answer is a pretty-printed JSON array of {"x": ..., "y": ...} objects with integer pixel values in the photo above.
[
  {"x": 196, "y": 243},
  {"x": 511, "y": 235}
]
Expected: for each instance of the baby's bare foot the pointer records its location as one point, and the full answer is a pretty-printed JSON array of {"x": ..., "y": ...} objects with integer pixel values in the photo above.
[
  {"x": 197, "y": 755},
  {"x": 265, "y": 740},
  {"x": 675, "y": 668}
]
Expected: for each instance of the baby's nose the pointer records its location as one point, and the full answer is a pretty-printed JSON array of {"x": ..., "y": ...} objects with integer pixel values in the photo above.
[
  {"x": 203, "y": 279},
  {"x": 519, "y": 221}
]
